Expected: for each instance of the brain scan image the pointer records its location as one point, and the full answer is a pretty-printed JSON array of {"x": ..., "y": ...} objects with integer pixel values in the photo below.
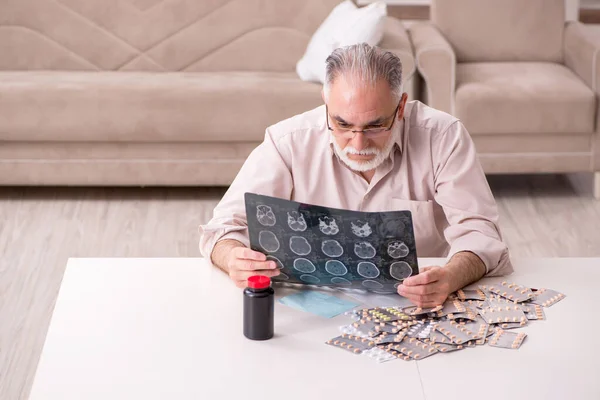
[
  {"x": 296, "y": 221},
  {"x": 328, "y": 226},
  {"x": 335, "y": 267},
  {"x": 300, "y": 245},
  {"x": 364, "y": 250},
  {"x": 369, "y": 284},
  {"x": 397, "y": 249},
  {"x": 391, "y": 228},
  {"x": 342, "y": 249},
  {"x": 368, "y": 270},
  {"x": 265, "y": 216},
  {"x": 277, "y": 261},
  {"x": 310, "y": 278},
  {"x": 332, "y": 248},
  {"x": 400, "y": 270},
  {"x": 304, "y": 265},
  {"x": 283, "y": 276},
  {"x": 268, "y": 241},
  {"x": 341, "y": 281},
  {"x": 361, "y": 229}
]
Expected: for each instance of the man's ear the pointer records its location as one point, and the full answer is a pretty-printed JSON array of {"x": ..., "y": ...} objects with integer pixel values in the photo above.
[
  {"x": 401, "y": 106},
  {"x": 323, "y": 95}
]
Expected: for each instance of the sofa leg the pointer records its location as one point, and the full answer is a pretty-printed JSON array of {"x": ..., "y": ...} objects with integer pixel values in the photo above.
[{"x": 597, "y": 185}]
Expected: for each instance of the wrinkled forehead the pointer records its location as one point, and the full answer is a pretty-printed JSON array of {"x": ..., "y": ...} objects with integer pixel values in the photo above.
[{"x": 356, "y": 100}]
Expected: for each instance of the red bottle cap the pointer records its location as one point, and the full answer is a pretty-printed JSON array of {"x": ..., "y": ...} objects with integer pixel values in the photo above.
[{"x": 259, "y": 282}]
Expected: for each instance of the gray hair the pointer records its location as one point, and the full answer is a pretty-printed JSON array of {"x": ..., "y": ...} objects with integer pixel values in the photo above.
[{"x": 369, "y": 63}]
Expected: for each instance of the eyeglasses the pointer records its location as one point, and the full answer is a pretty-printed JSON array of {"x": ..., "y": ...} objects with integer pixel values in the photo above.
[{"x": 370, "y": 133}]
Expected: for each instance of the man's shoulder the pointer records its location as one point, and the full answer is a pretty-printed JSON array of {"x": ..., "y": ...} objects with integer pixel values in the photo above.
[
  {"x": 312, "y": 120},
  {"x": 431, "y": 120}
]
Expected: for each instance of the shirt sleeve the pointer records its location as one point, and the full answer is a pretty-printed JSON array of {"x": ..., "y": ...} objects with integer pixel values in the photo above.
[
  {"x": 463, "y": 192},
  {"x": 264, "y": 172}
]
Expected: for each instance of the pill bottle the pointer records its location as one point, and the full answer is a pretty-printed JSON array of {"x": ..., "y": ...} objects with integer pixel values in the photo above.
[{"x": 259, "y": 303}]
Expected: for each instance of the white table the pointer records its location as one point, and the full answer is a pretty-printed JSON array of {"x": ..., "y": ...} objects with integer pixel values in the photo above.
[{"x": 172, "y": 329}]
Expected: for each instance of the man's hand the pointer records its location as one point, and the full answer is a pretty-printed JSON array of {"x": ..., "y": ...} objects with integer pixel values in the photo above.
[
  {"x": 242, "y": 263},
  {"x": 430, "y": 288}
]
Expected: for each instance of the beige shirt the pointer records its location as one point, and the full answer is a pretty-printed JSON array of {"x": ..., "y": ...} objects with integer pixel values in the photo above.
[{"x": 432, "y": 171}]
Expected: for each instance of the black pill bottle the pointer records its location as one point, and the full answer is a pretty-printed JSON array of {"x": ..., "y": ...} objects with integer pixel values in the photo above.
[{"x": 259, "y": 303}]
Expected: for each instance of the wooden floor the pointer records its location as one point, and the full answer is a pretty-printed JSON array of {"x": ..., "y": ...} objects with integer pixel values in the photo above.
[
  {"x": 589, "y": 15},
  {"x": 41, "y": 228}
]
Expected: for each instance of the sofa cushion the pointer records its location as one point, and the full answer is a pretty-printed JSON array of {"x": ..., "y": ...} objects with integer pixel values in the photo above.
[
  {"x": 523, "y": 98},
  {"x": 502, "y": 30},
  {"x": 148, "y": 107},
  {"x": 155, "y": 35}
]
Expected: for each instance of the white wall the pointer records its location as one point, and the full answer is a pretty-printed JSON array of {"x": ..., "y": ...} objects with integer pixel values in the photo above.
[
  {"x": 590, "y": 3},
  {"x": 572, "y": 10}
]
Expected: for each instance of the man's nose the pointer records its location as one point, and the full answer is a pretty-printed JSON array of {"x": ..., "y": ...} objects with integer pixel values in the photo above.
[{"x": 359, "y": 142}]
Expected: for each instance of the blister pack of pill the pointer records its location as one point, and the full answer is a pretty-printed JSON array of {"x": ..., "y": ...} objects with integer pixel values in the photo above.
[
  {"x": 354, "y": 344},
  {"x": 508, "y": 340},
  {"x": 447, "y": 348},
  {"x": 469, "y": 318},
  {"x": 381, "y": 354},
  {"x": 468, "y": 315},
  {"x": 414, "y": 348},
  {"x": 387, "y": 328},
  {"x": 387, "y": 314},
  {"x": 547, "y": 297},
  {"x": 510, "y": 291},
  {"x": 457, "y": 333},
  {"x": 504, "y": 314},
  {"x": 422, "y": 329},
  {"x": 414, "y": 310},
  {"x": 366, "y": 327},
  {"x": 535, "y": 312},
  {"x": 470, "y": 294},
  {"x": 387, "y": 338}
]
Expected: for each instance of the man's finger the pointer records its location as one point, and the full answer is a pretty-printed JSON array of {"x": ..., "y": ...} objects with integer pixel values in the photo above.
[
  {"x": 417, "y": 290},
  {"x": 424, "y": 301},
  {"x": 240, "y": 284},
  {"x": 249, "y": 254},
  {"x": 244, "y": 275},
  {"x": 420, "y": 298},
  {"x": 425, "y": 278},
  {"x": 246, "y": 265},
  {"x": 426, "y": 304}
]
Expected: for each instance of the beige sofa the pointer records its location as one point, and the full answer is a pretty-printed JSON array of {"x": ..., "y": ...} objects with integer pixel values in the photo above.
[
  {"x": 152, "y": 92},
  {"x": 522, "y": 80}
]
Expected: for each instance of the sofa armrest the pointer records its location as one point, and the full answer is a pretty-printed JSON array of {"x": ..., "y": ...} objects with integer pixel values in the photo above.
[
  {"x": 396, "y": 40},
  {"x": 582, "y": 56},
  {"x": 436, "y": 62}
]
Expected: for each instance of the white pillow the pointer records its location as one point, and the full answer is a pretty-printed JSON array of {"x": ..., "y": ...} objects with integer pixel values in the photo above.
[{"x": 345, "y": 25}]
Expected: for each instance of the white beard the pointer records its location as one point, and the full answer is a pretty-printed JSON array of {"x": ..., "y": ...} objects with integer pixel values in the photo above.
[{"x": 364, "y": 166}]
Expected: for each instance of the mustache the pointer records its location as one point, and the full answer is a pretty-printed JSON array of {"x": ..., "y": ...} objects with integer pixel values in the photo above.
[{"x": 364, "y": 152}]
